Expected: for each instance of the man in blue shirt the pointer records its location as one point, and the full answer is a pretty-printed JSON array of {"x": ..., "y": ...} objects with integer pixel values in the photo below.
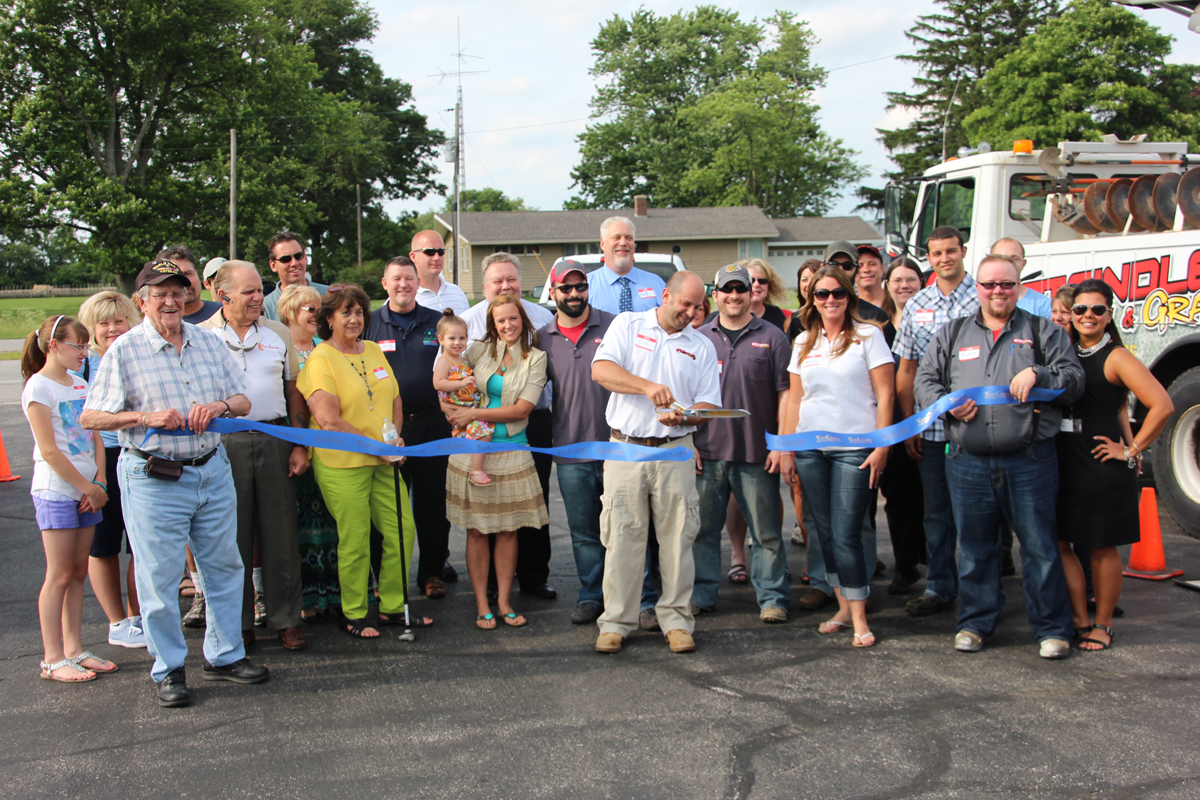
[
  {"x": 1034, "y": 302},
  {"x": 619, "y": 285}
]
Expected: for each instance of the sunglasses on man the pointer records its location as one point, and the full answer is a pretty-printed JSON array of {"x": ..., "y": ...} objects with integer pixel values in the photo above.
[
  {"x": 431, "y": 251},
  {"x": 288, "y": 259}
]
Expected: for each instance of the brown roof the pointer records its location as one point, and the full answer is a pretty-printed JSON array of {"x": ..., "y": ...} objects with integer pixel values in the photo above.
[
  {"x": 824, "y": 229},
  {"x": 538, "y": 227}
]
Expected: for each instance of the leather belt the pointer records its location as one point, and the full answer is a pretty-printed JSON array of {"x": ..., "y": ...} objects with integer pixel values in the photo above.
[
  {"x": 651, "y": 441},
  {"x": 418, "y": 415},
  {"x": 198, "y": 461}
]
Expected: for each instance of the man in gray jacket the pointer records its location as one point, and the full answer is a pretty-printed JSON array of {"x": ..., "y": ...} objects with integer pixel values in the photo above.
[{"x": 1002, "y": 459}]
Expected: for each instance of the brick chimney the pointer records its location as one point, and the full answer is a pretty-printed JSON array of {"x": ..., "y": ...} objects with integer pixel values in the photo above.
[{"x": 640, "y": 201}]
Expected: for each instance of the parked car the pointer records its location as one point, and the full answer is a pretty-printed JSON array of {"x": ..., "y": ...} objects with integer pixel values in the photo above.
[{"x": 664, "y": 265}]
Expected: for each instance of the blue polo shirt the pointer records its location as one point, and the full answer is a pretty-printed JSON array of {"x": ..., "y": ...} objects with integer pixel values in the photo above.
[
  {"x": 604, "y": 292},
  {"x": 409, "y": 342}
]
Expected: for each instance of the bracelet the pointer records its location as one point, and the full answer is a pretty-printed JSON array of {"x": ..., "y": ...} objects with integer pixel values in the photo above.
[
  {"x": 1131, "y": 460},
  {"x": 228, "y": 410},
  {"x": 144, "y": 421},
  {"x": 102, "y": 486}
]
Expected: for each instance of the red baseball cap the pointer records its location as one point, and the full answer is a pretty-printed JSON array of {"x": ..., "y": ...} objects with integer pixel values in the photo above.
[
  {"x": 565, "y": 268},
  {"x": 867, "y": 248}
]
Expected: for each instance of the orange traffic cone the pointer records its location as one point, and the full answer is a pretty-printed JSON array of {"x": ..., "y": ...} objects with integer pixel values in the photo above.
[
  {"x": 1146, "y": 560},
  {"x": 5, "y": 469}
]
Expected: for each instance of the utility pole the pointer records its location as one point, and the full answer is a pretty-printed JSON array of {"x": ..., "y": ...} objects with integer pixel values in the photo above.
[
  {"x": 232, "y": 193},
  {"x": 358, "y": 218}
]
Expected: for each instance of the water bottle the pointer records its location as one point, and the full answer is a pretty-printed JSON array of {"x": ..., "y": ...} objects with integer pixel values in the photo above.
[{"x": 390, "y": 436}]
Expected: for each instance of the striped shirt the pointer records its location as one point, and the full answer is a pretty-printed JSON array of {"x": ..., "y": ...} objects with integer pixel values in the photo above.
[
  {"x": 143, "y": 372},
  {"x": 924, "y": 316}
]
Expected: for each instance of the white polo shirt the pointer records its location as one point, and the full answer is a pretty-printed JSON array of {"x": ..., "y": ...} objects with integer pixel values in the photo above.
[
  {"x": 268, "y": 358},
  {"x": 838, "y": 393},
  {"x": 447, "y": 296},
  {"x": 539, "y": 317},
  {"x": 685, "y": 362}
]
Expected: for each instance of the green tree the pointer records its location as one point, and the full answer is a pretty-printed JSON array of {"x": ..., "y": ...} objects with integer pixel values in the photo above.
[
  {"x": 704, "y": 109},
  {"x": 1097, "y": 69},
  {"x": 486, "y": 199},
  {"x": 956, "y": 47},
  {"x": 119, "y": 116}
]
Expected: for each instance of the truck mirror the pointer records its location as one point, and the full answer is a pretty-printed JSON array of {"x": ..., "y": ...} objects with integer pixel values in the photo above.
[{"x": 896, "y": 246}]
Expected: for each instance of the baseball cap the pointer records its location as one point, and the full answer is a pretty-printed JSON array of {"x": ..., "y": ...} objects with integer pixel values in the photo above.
[
  {"x": 841, "y": 247},
  {"x": 872, "y": 249},
  {"x": 734, "y": 273},
  {"x": 155, "y": 272},
  {"x": 212, "y": 266},
  {"x": 565, "y": 268}
]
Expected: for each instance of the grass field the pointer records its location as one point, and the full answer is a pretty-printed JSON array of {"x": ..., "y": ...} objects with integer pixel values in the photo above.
[{"x": 20, "y": 315}]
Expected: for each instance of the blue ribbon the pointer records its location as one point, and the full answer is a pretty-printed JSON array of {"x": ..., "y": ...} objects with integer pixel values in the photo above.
[
  {"x": 357, "y": 443},
  {"x": 894, "y": 434}
]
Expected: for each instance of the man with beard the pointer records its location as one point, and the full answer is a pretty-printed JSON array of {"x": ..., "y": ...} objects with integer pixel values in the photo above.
[
  {"x": 619, "y": 285},
  {"x": 570, "y": 342}
]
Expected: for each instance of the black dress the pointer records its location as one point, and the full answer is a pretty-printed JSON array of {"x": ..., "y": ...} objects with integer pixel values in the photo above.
[{"x": 1097, "y": 500}]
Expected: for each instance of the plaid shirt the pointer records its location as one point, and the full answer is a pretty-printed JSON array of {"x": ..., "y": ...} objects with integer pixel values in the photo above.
[
  {"x": 924, "y": 316},
  {"x": 143, "y": 372}
]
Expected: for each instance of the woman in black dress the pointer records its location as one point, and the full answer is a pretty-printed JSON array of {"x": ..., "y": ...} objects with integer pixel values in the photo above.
[{"x": 1097, "y": 503}]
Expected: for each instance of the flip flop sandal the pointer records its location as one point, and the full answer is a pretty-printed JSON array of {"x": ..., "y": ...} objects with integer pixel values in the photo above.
[
  {"x": 860, "y": 640},
  {"x": 355, "y": 628},
  {"x": 737, "y": 575},
  {"x": 397, "y": 618},
  {"x": 486, "y": 622},
  {"x": 831, "y": 626},
  {"x": 471, "y": 477},
  {"x": 48, "y": 671},
  {"x": 511, "y": 618},
  {"x": 86, "y": 654},
  {"x": 1112, "y": 637}
]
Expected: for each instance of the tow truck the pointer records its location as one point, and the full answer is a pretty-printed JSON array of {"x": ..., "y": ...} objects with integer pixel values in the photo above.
[{"x": 1127, "y": 212}]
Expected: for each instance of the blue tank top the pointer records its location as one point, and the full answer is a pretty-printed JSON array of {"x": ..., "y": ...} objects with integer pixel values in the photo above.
[{"x": 495, "y": 385}]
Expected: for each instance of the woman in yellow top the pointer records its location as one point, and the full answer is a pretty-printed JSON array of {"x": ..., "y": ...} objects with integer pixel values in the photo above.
[
  {"x": 510, "y": 370},
  {"x": 350, "y": 388}
]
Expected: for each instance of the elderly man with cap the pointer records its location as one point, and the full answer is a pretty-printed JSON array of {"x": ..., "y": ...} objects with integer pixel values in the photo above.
[
  {"x": 176, "y": 490},
  {"x": 620, "y": 286},
  {"x": 653, "y": 361},
  {"x": 433, "y": 290},
  {"x": 262, "y": 464},
  {"x": 752, "y": 359},
  {"x": 288, "y": 259},
  {"x": 1002, "y": 459},
  {"x": 195, "y": 309},
  {"x": 570, "y": 342}
]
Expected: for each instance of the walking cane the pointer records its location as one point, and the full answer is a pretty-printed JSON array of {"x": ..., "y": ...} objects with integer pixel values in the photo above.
[{"x": 408, "y": 635}]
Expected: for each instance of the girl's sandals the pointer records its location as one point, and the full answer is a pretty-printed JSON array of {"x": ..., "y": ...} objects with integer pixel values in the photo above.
[
  {"x": 479, "y": 478},
  {"x": 486, "y": 622},
  {"x": 104, "y": 667},
  {"x": 1100, "y": 645},
  {"x": 358, "y": 628},
  {"x": 514, "y": 620},
  {"x": 832, "y": 626},
  {"x": 737, "y": 575},
  {"x": 397, "y": 618},
  {"x": 864, "y": 639},
  {"x": 78, "y": 675}
]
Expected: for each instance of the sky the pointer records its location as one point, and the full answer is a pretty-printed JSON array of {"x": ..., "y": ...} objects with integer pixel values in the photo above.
[{"x": 528, "y": 102}]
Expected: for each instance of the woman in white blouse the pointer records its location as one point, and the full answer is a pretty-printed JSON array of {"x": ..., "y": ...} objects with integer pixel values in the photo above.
[{"x": 842, "y": 381}]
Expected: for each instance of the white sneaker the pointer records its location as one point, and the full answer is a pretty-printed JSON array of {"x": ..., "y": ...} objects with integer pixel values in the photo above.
[
  {"x": 797, "y": 535},
  {"x": 127, "y": 633},
  {"x": 1054, "y": 648}
]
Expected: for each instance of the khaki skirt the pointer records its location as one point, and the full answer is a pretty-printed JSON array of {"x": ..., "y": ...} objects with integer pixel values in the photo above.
[{"x": 512, "y": 500}]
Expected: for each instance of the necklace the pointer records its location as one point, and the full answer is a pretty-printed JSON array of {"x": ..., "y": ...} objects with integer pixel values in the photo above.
[
  {"x": 362, "y": 374},
  {"x": 1085, "y": 352}
]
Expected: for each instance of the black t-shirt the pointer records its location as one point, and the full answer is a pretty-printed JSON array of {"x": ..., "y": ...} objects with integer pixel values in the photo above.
[{"x": 733, "y": 334}]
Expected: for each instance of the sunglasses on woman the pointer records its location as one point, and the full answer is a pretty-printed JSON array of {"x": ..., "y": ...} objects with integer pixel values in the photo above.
[
  {"x": 1081, "y": 309},
  {"x": 839, "y": 293}
]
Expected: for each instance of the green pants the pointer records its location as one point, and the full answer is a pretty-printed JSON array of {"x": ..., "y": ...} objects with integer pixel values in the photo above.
[{"x": 358, "y": 497}]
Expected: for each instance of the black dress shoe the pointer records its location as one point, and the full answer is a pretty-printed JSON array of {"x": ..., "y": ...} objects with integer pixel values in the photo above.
[
  {"x": 238, "y": 672},
  {"x": 173, "y": 691},
  {"x": 545, "y": 591},
  {"x": 449, "y": 573}
]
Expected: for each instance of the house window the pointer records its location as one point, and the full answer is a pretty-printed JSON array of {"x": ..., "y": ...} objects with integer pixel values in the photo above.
[
  {"x": 519, "y": 249},
  {"x": 581, "y": 248}
]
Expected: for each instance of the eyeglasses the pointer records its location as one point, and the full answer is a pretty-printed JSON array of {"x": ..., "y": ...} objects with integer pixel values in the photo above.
[
  {"x": 311, "y": 309},
  {"x": 842, "y": 264},
  {"x": 899, "y": 280},
  {"x": 567, "y": 288},
  {"x": 76, "y": 346},
  {"x": 761, "y": 281},
  {"x": 734, "y": 288},
  {"x": 288, "y": 259},
  {"x": 839, "y": 293},
  {"x": 178, "y": 297},
  {"x": 1004, "y": 286},
  {"x": 1081, "y": 309},
  {"x": 431, "y": 251}
]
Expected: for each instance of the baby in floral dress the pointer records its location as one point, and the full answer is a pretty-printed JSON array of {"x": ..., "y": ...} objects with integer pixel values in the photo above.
[{"x": 456, "y": 384}]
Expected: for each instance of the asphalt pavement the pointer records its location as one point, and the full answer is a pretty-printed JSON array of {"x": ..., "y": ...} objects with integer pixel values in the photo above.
[{"x": 757, "y": 711}]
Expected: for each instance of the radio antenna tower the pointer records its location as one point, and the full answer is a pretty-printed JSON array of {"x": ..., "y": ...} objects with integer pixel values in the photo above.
[{"x": 454, "y": 151}]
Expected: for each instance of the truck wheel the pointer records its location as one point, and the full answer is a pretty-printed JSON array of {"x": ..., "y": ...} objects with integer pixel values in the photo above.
[{"x": 1177, "y": 454}]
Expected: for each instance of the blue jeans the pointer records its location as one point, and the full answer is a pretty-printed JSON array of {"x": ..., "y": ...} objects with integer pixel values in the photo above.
[
  {"x": 200, "y": 510},
  {"x": 757, "y": 495},
  {"x": 839, "y": 494},
  {"x": 941, "y": 574},
  {"x": 581, "y": 486},
  {"x": 1023, "y": 486},
  {"x": 814, "y": 560}
]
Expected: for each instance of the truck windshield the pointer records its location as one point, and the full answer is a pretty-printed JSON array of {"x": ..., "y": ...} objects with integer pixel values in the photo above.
[{"x": 948, "y": 203}]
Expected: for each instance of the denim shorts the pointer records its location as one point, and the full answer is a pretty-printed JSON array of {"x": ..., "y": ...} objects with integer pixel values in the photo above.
[{"x": 55, "y": 515}]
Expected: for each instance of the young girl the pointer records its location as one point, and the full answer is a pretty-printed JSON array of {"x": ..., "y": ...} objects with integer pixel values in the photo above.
[
  {"x": 67, "y": 498},
  {"x": 456, "y": 384}
]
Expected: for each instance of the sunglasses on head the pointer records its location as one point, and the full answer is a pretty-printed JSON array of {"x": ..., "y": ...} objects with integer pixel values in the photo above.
[
  {"x": 839, "y": 293},
  {"x": 1081, "y": 309},
  {"x": 431, "y": 251},
  {"x": 288, "y": 259}
]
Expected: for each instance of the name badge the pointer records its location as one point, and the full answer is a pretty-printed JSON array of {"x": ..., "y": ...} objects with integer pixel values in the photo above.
[
  {"x": 388, "y": 345},
  {"x": 381, "y": 373},
  {"x": 923, "y": 316},
  {"x": 1069, "y": 425},
  {"x": 720, "y": 367},
  {"x": 647, "y": 293},
  {"x": 968, "y": 353}
]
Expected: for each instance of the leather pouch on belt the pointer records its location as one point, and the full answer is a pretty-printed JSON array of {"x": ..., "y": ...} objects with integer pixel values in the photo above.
[{"x": 163, "y": 468}]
